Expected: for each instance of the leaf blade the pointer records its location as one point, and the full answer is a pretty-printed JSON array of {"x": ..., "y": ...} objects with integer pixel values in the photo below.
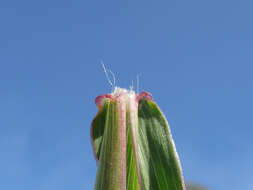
[
  {"x": 157, "y": 157},
  {"x": 133, "y": 174},
  {"x": 111, "y": 172}
]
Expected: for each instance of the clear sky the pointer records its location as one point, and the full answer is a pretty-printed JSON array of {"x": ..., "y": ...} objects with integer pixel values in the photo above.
[{"x": 195, "y": 57}]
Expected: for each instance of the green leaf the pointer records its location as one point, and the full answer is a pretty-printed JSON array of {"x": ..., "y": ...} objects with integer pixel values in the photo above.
[
  {"x": 97, "y": 129},
  {"x": 133, "y": 173},
  {"x": 111, "y": 147},
  {"x": 133, "y": 145},
  {"x": 132, "y": 176},
  {"x": 158, "y": 160}
]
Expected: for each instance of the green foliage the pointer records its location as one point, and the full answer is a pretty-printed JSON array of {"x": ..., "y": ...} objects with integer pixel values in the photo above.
[{"x": 133, "y": 144}]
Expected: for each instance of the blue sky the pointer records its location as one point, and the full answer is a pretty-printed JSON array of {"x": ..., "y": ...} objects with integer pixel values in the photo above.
[{"x": 195, "y": 57}]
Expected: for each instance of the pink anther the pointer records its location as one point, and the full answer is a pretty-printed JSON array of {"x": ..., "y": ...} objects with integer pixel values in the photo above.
[{"x": 99, "y": 101}]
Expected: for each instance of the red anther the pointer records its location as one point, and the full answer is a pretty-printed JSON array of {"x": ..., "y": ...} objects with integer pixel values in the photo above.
[
  {"x": 99, "y": 100},
  {"x": 144, "y": 95},
  {"x": 108, "y": 95}
]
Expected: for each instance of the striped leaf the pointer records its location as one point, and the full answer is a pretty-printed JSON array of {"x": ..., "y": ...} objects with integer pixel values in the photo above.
[{"x": 133, "y": 145}]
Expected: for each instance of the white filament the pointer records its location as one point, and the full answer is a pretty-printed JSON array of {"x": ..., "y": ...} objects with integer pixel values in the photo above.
[{"x": 112, "y": 83}]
